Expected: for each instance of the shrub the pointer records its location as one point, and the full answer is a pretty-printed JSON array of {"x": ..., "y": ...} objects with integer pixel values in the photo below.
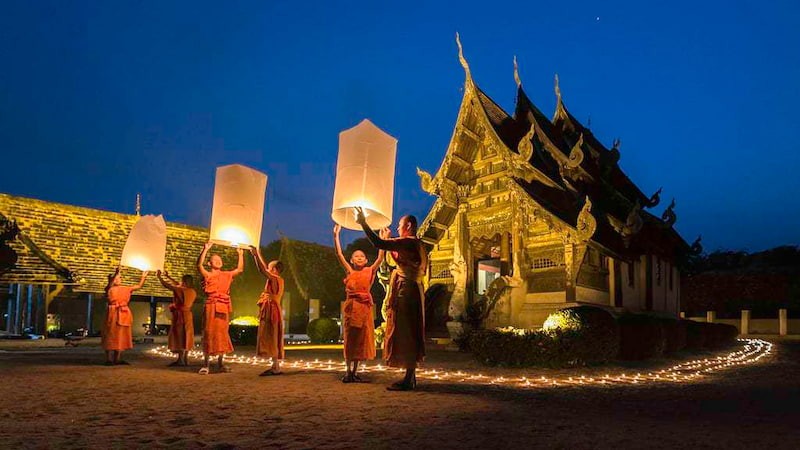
[
  {"x": 588, "y": 334},
  {"x": 675, "y": 334},
  {"x": 576, "y": 336},
  {"x": 323, "y": 330},
  {"x": 243, "y": 334},
  {"x": 695, "y": 337},
  {"x": 720, "y": 335},
  {"x": 641, "y": 337}
]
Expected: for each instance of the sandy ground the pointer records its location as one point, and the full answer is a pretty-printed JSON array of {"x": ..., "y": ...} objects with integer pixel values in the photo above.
[{"x": 65, "y": 398}]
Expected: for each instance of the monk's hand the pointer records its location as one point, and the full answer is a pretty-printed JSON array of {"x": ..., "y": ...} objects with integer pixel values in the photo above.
[
  {"x": 159, "y": 273},
  {"x": 360, "y": 217},
  {"x": 144, "y": 274},
  {"x": 336, "y": 229},
  {"x": 385, "y": 233},
  {"x": 207, "y": 245}
]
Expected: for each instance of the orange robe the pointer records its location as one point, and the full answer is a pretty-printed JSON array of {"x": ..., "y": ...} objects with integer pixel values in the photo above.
[
  {"x": 181, "y": 332},
  {"x": 270, "y": 320},
  {"x": 217, "y": 311},
  {"x": 359, "y": 328},
  {"x": 117, "y": 333}
]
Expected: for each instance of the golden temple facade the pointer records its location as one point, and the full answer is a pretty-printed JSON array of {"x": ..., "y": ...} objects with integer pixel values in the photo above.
[{"x": 536, "y": 213}]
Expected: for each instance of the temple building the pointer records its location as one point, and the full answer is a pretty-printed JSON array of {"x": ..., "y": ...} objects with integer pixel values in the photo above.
[
  {"x": 55, "y": 259},
  {"x": 533, "y": 214}
]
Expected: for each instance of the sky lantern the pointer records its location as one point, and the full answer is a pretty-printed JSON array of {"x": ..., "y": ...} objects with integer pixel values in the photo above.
[
  {"x": 146, "y": 246},
  {"x": 364, "y": 176},
  {"x": 238, "y": 208}
]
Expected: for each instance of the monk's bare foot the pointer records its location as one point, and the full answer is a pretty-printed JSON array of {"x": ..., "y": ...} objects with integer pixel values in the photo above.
[
  {"x": 358, "y": 379},
  {"x": 174, "y": 363},
  {"x": 225, "y": 369},
  {"x": 348, "y": 378}
]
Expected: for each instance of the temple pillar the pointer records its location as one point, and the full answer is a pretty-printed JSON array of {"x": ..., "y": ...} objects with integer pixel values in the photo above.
[
  {"x": 571, "y": 276},
  {"x": 783, "y": 321},
  {"x": 89, "y": 313},
  {"x": 461, "y": 269},
  {"x": 744, "y": 329}
]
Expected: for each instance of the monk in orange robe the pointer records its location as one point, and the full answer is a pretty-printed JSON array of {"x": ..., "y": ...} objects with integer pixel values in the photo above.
[
  {"x": 117, "y": 335},
  {"x": 269, "y": 341},
  {"x": 217, "y": 310},
  {"x": 358, "y": 325},
  {"x": 181, "y": 331},
  {"x": 404, "y": 344}
]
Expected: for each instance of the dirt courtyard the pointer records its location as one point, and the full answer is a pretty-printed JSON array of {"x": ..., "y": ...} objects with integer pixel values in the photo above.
[{"x": 66, "y": 398}]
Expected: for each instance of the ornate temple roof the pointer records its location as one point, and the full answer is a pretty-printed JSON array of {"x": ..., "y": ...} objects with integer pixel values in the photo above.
[{"x": 565, "y": 164}]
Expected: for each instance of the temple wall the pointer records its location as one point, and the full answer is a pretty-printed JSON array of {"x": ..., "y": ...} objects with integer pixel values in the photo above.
[{"x": 590, "y": 295}]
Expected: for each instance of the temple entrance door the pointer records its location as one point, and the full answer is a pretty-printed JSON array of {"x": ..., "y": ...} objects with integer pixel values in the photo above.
[{"x": 488, "y": 271}]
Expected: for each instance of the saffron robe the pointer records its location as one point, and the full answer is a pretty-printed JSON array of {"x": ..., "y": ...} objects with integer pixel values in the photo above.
[
  {"x": 216, "y": 314},
  {"x": 269, "y": 342},
  {"x": 404, "y": 344},
  {"x": 117, "y": 333},
  {"x": 181, "y": 332},
  {"x": 359, "y": 328}
]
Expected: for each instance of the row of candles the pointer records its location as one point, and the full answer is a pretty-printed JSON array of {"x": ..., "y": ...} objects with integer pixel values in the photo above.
[{"x": 749, "y": 352}]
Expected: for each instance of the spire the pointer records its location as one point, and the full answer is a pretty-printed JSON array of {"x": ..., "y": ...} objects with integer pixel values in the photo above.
[
  {"x": 138, "y": 204},
  {"x": 559, "y": 102},
  {"x": 461, "y": 58},
  {"x": 516, "y": 73}
]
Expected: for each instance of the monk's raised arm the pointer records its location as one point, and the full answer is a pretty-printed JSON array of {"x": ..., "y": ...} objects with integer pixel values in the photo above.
[
  {"x": 338, "y": 246},
  {"x": 167, "y": 285},
  {"x": 202, "y": 259},
  {"x": 239, "y": 265},
  {"x": 136, "y": 287}
]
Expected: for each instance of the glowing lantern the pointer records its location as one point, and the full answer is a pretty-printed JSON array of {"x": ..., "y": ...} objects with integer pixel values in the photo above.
[
  {"x": 364, "y": 176},
  {"x": 238, "y": 206},
  {"x": 146, "y": 246}
]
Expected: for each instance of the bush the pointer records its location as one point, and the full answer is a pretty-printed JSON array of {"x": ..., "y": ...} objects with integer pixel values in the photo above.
[
  {"x": 243, "y": 334},
  {"x": 695, "y": 337},
  {"x": 703, "y": 335},
  {"x": 675, "y": 334},
  {"x": 577, "y": 336},
  {"x": 323, "y": 330},
  {"x": 720, "y": 335},
  {"x": 641, "y": 337},
  {"x": 589, "y": 334}
]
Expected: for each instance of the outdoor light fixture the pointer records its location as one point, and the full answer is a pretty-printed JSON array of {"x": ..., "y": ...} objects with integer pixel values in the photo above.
[
  {"x": 364, "y": 176},
  {"x": 238, "y": 209},
  {"x": 146, "y": 246}
]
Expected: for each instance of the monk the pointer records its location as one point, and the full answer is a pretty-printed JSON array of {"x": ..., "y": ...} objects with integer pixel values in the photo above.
[
  {"x": 269, "y": 341},
  {"x": 117, "y": 335},
  {"x": 217, "y": 310},
  {"x": 404, "y": 344},
  {"x": 181, "y": 331},
  {"x": 359, "y": 328}
]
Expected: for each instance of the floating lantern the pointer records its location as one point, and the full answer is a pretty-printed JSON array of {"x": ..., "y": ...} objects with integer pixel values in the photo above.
[
  {"x": 364, "y": 176},
  {"x": 146, "y": 246},
  {"x": 238, "y": 208}
]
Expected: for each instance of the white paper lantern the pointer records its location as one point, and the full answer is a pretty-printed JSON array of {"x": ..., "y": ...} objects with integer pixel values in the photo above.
[
  {"x": 146, "y": 246},
  {"x": 364, "y": 176},
  {"x": 238, "y": 208}
]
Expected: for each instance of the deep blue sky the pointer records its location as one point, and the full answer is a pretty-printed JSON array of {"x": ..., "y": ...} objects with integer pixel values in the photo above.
[{"x": 100, "y": 100}]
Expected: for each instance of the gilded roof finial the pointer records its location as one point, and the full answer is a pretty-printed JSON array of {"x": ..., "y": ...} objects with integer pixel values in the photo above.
[
  {"x": 559, "y": 104},
  {"x": 558, "y": 91},
  {"x": 516, "y": 73},
  {"x": 461, "y": 57},
  {"x": 138, "y": 204}
]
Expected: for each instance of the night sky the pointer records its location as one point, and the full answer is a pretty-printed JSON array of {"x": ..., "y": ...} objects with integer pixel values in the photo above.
[{"x": 101, "y": 100}]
